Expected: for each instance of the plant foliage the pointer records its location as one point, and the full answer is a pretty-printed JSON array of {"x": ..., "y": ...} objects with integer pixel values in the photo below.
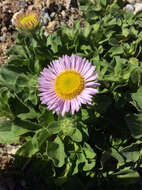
[{"x": 101, "y": 140}]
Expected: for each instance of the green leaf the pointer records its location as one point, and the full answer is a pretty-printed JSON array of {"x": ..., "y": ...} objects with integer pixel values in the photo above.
[
  {"x": 18, "y": 60},
  {"x": 30, "y": 115},
  {"x": 89, "y": 165},
  {"x": 54, "y": 42},
  {"x": 131, "y": 153},
  {"x": 54, "y": 127},
  {"x": 20, "y": 127},
  {"x": 6, "y": 134},
  {"x": 134, "y": 123},
  {"x": 33, "y": 146},
  {"x": 27, "y": 150},
  {"x": 133, "y": 176},
  {"x": 113, "y": 42},
  {"x": 137, "y": 98},
  {"x": 125, "y": 31},
  {"x": 17, "y": 106},
  {"x": 46, "y": 117},
  {"x": 76, "y": 136},
  {"x": 56, "y": 152},
  {"x": 17, "y": 50},
  {"x": 135, "y": 79},
  {"x": 96, "y": 27},
  {"x": 116, "y": 51},
  {"x": 118, "y": 156},
  {"x": 10, "y": 131},
  {"x": 119, "y": 65},
  {"x": 40, "y": 137},
  {"x": 28, "y": 85},
  {"x": 104, "y": 2},
  {"x": 34, "y": 43},
  {"x": 68, "y": 126},
  {"x": 89, "y": 152},
  {"x": 128, "y": 176},
  {"x": 86, "y": 30},
  {"x": 27, "y": 80},
  {"x": 85, "y": 114},
  {"x": 127, "y": 71},
  {"x": 9, "y": 75},
  {"x": 5, "y": 109},
  {"x": 37, "y": 66}
]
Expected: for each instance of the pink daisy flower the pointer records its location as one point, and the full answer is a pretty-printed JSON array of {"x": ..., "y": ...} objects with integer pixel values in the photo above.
[{"x": 67, "y": 83}]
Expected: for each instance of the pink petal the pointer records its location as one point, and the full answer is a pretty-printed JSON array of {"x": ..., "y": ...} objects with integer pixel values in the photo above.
[
  {"x": 73, "y": 107},
  {"x": 89, "y": 72},
  {"x": 93, "y": 77}
]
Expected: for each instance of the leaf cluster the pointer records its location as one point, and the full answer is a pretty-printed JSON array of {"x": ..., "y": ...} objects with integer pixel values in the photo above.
[{"x": 103, "y": 139}]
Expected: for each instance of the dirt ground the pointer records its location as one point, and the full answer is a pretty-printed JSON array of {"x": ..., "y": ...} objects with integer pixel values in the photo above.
[{"x": 68, "y": 10}]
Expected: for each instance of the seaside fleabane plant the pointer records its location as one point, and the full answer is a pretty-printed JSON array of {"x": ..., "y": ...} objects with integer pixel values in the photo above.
[
  {"x": 26, "y": 21},
  {"x": 67, "y": 83}
]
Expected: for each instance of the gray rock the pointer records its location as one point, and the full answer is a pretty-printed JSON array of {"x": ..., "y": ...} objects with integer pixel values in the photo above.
[
  {"x": 52, "y": 14},
  {"x": 132, "y": 1},
  {"x": 2, "y": 38},
  {"x": 23, "y": 4},
  {"x": 138, "y": 7},
  {"x": 129, "y": 7},
  {"x": 45, "y": 18}
]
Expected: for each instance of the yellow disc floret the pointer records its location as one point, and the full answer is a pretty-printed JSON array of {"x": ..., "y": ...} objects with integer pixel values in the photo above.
[
  {"x": 26, "y": 20},
  {"x": 29, "y": 21},
  {"x": 69, "y": 84}
]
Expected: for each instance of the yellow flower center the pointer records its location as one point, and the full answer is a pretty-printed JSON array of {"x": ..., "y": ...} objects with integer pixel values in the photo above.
[
  {"x": 29, "y": 21},
  {"x": 69, "y": 84}
]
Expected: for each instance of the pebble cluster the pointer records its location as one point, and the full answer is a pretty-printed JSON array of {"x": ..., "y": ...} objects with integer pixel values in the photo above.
[
  {"x": 53, "y": 13},
  {"x": 134, "y": 6}
]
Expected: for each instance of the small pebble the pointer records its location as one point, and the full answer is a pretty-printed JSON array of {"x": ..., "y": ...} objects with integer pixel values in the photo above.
[
  {"x": 22, "y": 4},
  {"x": 132, "y": 1},
  {"x": 2, "y": 38},
  {"x": 138, "y": 7},
  {"x": 51, "y": 25},
  {"x": 63, "y": 13},
  {"x": 52, "y": 15},
  {"x": 68, "y": 2},
  {"x": 6, "y": 2},
  {"x": 129, "y": 7},
  {"x": 45, "y": 18},
  {"x": 12, "y": 149},
  {"x": 4, "y": 30}
]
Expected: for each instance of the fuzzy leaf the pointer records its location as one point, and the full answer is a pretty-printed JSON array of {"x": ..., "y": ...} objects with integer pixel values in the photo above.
[
  {"x": 10, "y": 131},
  {"x": 6, "y": 134},
  {"x": 9, "y": 75},
  {"x": 89, "y": 152},
  {"x": 134, "y": 123},
  {"x": 5, "y": 109},
  {"x": 27, "y": 150},
  {"x": 76, "y": 135},
  {"x": 54, "y": 127},
  {"x": 55, "y": 151},
  {"x": 137, "y": 98}
]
